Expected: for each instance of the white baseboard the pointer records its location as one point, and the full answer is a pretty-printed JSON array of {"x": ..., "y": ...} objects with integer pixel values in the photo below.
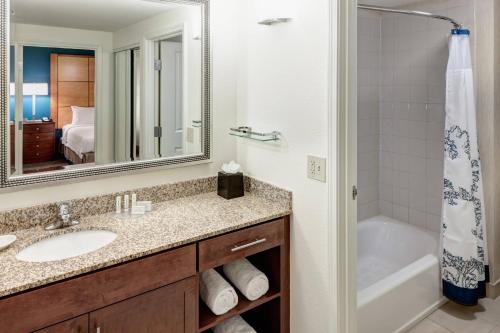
[{"x": 493, "y": 289}]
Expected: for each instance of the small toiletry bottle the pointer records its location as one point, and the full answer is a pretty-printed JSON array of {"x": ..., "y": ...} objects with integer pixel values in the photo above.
[
  {"x": 134, "y": 200},
  {"x": 118, "y": 204},
  {"x": 126, "y": 203}
]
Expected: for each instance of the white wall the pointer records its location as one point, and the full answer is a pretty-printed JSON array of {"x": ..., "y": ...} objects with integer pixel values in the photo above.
[
  {"x": 66, "y": 37},
  {"x": 282, "y": 85},
  {"x": 224, "y": 148}
]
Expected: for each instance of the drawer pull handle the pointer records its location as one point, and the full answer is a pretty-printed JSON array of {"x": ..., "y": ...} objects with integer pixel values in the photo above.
[{"x": 246, "y": 246}]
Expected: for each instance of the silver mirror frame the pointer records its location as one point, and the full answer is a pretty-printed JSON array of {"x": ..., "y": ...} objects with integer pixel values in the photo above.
[{"x": 105, "y": 169}]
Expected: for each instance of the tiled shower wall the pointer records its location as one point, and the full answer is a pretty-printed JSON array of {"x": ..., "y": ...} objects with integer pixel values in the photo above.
[
  {"x": 411, "y": 95},
  {"x": 369, "y": 44}
]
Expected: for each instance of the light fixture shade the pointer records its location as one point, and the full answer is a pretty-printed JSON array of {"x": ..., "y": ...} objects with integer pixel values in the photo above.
[
  {"x": 38, "y": 89},
  {"x": 276, "y": 9},
  {"x": 31, "y": 89}
]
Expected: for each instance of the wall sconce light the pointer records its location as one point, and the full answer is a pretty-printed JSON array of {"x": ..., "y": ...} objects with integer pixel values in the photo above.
[{"x": 271, "y": 12}]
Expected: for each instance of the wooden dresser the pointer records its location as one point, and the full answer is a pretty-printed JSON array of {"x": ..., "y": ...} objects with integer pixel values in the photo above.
[{"x": 39, "y": 142}]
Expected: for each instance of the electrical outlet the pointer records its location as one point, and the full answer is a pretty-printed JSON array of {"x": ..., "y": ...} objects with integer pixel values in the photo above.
[{"x": 316, "y": 168}]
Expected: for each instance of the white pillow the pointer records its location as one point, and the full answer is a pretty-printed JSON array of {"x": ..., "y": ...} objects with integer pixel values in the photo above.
[{"x": 83, "y": 115}]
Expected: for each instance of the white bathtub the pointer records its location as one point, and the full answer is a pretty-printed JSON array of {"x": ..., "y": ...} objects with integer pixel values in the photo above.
[{"x": 398, "y": 275}]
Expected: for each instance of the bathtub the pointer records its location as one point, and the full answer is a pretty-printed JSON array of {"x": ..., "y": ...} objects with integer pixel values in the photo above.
[{"x": 398, "y": 275}]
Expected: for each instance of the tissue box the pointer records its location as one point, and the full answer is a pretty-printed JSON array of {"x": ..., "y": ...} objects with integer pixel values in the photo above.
[{"x": 230, "y": 186}]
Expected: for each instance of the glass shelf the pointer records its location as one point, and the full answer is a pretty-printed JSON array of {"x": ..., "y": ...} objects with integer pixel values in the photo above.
[{"x": 247, "y": 133}]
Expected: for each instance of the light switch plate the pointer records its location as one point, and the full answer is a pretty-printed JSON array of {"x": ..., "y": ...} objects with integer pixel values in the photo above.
[{"x": 316, "y": 168}]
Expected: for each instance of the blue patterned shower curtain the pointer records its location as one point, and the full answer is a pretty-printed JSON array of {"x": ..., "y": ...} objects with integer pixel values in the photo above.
[{"x": 464, "y": 257}]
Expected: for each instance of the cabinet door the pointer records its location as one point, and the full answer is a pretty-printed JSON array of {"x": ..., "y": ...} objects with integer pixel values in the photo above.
[
  {"x": 76, "y": 325},
  {"x": 171, "y": 309}
]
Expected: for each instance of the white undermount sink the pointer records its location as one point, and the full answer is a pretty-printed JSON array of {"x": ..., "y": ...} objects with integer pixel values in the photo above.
[{"x": 66, "y": 246}]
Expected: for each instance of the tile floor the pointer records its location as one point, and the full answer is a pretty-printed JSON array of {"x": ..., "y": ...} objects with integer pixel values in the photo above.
[{"x": 452, "y": 318}]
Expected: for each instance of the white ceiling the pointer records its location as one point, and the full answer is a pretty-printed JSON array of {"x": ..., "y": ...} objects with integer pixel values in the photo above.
[
  {"x": 102, "y": 15},
  {"x": 387, "y": 3}
]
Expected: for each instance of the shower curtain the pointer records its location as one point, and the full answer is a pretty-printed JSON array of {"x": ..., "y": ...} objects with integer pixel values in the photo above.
[{"x": 464, "y": 257}]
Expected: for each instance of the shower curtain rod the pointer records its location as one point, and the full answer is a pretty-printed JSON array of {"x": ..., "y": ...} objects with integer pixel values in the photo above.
[{"x": 411, "y": 12}]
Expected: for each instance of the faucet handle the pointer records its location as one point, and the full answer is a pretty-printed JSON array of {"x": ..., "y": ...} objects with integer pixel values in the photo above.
[{"x": 64, "y": 209}]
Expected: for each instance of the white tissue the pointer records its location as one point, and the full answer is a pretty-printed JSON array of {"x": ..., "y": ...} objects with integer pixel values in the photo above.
[{"x": 231, "y": 167}]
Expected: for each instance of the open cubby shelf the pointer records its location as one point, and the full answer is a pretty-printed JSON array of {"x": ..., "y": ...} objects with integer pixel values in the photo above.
[
  {"x": 208, "y": 320},
  {"x": 270, "y": 313}
]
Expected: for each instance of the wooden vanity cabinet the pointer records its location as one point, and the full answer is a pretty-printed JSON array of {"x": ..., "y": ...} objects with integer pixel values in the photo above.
[
  {"x": 160, "y": 293},
  {"x": 171, "y": 309},
  {"x": 76, "y": 325}
]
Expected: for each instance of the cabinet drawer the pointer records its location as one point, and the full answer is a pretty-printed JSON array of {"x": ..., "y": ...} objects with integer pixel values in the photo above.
[
  {"x": 224, "y": 249},
  {"x": 38, "y": 155},
  {"x": 38, "y": 137},
  {"x": 38, "y": 146},
  {"x": 38, "y": 128},
  {"x": 72, "y": 298}
]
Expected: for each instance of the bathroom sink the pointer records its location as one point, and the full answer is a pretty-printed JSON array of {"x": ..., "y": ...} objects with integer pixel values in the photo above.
[{"x": 66, "y": 246}]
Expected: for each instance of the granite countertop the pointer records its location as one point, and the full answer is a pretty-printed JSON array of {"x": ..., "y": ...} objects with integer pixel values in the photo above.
[{"x": 171, "y": 224}]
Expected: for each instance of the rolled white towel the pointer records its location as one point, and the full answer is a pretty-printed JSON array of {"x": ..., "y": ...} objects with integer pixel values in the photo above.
[
  {"x": 217, "y": 293},
  {"x": 234, "y": 325},
  {"x": 247, "y": 278}
]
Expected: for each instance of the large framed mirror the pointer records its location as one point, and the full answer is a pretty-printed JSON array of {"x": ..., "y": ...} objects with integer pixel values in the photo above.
[{"x": 92, "y": 87}]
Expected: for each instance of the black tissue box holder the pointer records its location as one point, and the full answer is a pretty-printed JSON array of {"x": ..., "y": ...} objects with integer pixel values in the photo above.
[{"x": 230, "y": 185}]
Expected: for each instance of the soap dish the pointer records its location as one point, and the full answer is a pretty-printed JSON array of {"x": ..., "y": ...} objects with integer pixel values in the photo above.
[{"x": 6, "y": 241}]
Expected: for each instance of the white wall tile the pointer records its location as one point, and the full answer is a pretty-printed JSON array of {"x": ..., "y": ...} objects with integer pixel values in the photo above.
[
  {"x": 386, "y": 208},
  {"x": 401, "y": 213},
  {"x": 418, "y": 218},
  {"x": 434, "y": 222},
  {"x": 417, "y": 148},
  {"x": 409, "y": 77},
  {"x": 369, "y": 127},
  {"x": 418, "y": 201},
  {"x": 418, "y": 112}
]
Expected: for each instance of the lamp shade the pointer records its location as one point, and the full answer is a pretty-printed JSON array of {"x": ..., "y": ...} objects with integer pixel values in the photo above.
[{"x": 31, "y": 89}]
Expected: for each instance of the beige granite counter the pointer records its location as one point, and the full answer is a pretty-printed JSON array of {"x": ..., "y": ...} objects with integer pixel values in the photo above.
[{"x": 172, "y": 223}]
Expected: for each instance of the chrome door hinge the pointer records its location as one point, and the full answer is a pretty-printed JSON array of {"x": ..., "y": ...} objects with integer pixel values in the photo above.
[
  {"x": 158, "y": 65},
  {"x": 354, "y": 192},
  {"x": 158, "y": 132}
]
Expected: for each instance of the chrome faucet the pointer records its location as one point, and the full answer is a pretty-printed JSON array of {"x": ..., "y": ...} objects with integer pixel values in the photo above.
[{"x": 65, "y": 217}]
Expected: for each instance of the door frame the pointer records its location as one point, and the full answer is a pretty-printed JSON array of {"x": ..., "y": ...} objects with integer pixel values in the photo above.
[
  {"x": 148, "y": 99},
  {"x": 342, "y": 122}
]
